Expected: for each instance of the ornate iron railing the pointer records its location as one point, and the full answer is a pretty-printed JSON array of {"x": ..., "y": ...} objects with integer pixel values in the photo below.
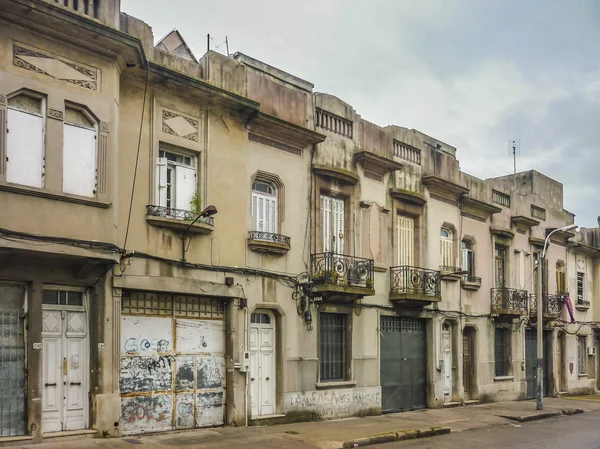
[
  {"x": 551, "y": 304},
  {"x": 333, "y": 268},
  {"x": 269, "y": 237},
  {"x": 471, "y": 279},
  {"x": 416, "y": 281},
  {"x": 179, "y": 214},
  {"x": 509, "y": 300}
]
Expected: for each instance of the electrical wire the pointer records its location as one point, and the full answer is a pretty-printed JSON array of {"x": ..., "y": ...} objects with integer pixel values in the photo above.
[{"x": 9, "y": 234}]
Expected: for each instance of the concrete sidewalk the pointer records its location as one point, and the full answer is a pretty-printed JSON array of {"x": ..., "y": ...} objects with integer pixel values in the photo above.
[{"x": 332, "y": 434}]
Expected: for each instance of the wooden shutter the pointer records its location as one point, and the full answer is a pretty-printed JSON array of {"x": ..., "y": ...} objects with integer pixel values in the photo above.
[
  {"x": 406, "y": 244},
  {"x": 161, "y": 182},
  {"x": 446, "y": 250},
  {"x": 264, "y": 212},
  {"x": 24, "y": 148},
  {"x": 2, "y": 137},
  {"x": 338, "y": 225},
  {"x": 79, "y": 160},
  {"x": 185, "y": 187},
  {"x": 326, "y": 222}
]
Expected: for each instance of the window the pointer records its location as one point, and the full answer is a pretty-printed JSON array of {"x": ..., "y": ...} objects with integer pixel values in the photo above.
[
  {"x": 500, "y": 198},
  {"x": 561, "y": 278},
  {"x": 467, "y": 258},
  {"x": 406, "y": 241},
  {"x": 446, "y": 248},
  {"x": 25, "y": 139},
  {"x": 333, "y": 346},
  {"x": 581, "y": 354},
  {"x": 264, "y": 207},
  {"x": 580, "y": 287},
  {"x": 159, "y": 304},
  {"x": 80, "y": 152},
  {"x": 500, "y": 262},
  {"x": 538, "y": 212},
  {"x": 332, "y": 222},
  {"x": 502, "y": 351},
  {"x": 176, "y": 180},
  {"x": 62, "y": 297},
  {"x": 260, "y": 318}
]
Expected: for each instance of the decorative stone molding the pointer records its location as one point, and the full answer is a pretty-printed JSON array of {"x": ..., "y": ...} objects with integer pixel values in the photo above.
[
  {"x": 104, "y": 127},
  {"x": 58, "y": 68},
  {"x": 2, "y": 100},
  {"x": 273, "y": 143},
  {"x": 55, "y": 114},
  {"x": 179, "y": 126}
]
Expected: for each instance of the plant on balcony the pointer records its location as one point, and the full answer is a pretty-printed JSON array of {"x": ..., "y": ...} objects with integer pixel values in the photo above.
[
  {"x": 196, "y": 203},
  {"x": 329, "y": 276},
  {"x": 369, "y": 283}
]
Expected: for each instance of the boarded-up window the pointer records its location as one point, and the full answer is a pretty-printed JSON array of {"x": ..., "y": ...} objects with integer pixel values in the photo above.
[
  {"x": 80, "y": 154},
  {"x": 25, "y": 140}
]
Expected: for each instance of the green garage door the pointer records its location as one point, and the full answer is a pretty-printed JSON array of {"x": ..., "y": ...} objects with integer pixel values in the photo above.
[{"x": 403, "y": 363}]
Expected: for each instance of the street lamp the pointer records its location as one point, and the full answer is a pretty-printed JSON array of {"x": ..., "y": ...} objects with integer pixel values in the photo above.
[{"x": 540, "y": 346}]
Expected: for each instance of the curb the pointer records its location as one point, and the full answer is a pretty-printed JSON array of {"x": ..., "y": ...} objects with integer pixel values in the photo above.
[
  {"x": 401, "y": 435},
  {"x": 542, "y": 415}
]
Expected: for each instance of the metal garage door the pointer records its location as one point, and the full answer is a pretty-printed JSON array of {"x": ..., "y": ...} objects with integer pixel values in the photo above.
[
  {"x": 12, "y": 361},
  {"x": 403, "y": 363},
  {"x": 172, "y": 362}
]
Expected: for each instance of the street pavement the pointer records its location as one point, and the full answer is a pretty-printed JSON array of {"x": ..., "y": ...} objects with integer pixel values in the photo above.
[{"x": 477, "y": 421}]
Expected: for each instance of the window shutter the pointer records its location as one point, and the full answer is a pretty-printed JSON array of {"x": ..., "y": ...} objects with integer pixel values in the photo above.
[
  {"x": 267, "y": 216},
  {"x": 255, "y": 211},
  {"x": 446, "y": 250},
  {"x": 405, "y": 241},
  {"x": 161, "y": 182},
  {"x": 326, "y": 222},
  {"x": 2, "y": 137},
  {"x": 185, "y": 187},
  {"x": 24, "y": 148},
  {"x": 338, "y": 226},
  {"x": 79, "y": 160},
  {"x": 274, "y": 222},
  {"x": 261, "y": 214},
  {"x": 101, "y": 175}
]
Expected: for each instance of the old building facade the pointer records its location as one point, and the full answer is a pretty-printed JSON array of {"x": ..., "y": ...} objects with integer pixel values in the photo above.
[{"x": 197, "y": 242}]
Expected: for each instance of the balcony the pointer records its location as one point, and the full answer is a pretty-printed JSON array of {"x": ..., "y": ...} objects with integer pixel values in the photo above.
[
  {"x": 179, "y": 220},
  {"x": 268, "y": 242},
  {"x": 551, "y": 305},
  {"x": 509, "y": 302},
  {"x": 337, "y": 276},
  {"x": 449, "y": 273},
  {"x": 470, "y": 282},
  {"x": 414, "y": 286},
  {"x": 582, "y": 305}
]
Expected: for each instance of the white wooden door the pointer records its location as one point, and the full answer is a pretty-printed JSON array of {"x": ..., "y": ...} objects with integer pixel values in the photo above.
[
  {"x": 405, "y": 229},
  {"x": 65, "y": 366},
  {"x": 332, "y": 223},
  {"x": 262, "y": 364},
  {"x": 447, "y": 360}
]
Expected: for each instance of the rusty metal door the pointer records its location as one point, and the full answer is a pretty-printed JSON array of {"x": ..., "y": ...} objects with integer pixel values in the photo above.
[
  {"x": 12, "y": 361},
  {"x": 403, "y": 363}
]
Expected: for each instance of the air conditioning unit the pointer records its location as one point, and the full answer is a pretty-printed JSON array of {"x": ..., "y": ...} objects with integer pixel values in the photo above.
[{"x": 592, "y": 350}]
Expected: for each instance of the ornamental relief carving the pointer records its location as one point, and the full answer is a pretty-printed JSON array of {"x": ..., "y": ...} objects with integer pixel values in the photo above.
[
  {"x": 180, "y": 126},
  {"x": 60, "y": 69},
  {"x": 55, "y": 114}
]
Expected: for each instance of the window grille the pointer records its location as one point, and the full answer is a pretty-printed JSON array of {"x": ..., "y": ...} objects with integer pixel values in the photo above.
[
  {"x": 180, "y": 306},
  {"x": 333, "y": 342},
  {"x": 502, "y": 351}
]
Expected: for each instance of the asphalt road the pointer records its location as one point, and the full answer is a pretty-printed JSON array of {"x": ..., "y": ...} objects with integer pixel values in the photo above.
[{"x": 564, "y": 432}]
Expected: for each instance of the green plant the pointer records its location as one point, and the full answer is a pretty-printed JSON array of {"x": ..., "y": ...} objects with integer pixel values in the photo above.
[
  {"x": 196, "y": 203},
  {"x": 369, "y": 283}
]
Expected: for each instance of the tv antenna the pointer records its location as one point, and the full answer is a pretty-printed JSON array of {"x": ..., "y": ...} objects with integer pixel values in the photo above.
[{"x": 514, "y": 149}]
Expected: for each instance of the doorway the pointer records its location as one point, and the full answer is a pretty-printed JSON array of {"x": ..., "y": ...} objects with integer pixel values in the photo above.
[
  {"x": 65, "y": 360},
  {"x": 262, "y": 363},
  {"x": 560, "y": 346},
  {"x": 531, "y": 362},
  {"x": 447, "y": 361},
  {"x": 468, "y": 364}
]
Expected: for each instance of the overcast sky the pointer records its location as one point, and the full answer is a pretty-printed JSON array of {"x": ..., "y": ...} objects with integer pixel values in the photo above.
[{"x": 471, "y": 73}]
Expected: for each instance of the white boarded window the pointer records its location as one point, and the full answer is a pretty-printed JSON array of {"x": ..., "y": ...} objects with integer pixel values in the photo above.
[
  {"x": 264, "y": 207},
  {"x": 332, "y": 222},
  {"x": 446, "y": 247},
  {"x": 176, "y": 180},
  {"x": 406, "y": 240},
  {"x": 25, "y": 140},
  {"x": 80, "y": 152}
]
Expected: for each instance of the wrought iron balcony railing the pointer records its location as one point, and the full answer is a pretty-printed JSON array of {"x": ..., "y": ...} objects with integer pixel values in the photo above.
[
  {"x": 339, "y": 269},
  {"x": 551, "y": 304},
  {"x": 409, "y": 280},
  {"x": 472, "y": 279},
  {"x": 269, "y": 237},
  {"x": 179, "y": 214},
  {"x": 509, "y": 301}
]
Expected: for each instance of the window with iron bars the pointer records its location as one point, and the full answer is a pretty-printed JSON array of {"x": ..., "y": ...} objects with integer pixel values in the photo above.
[
  {"x": 500, "y": 198},
  {"x": 179, "y": 306},
  {"x": 333, "y": 337},
  {"x": 502, "y": 351}
]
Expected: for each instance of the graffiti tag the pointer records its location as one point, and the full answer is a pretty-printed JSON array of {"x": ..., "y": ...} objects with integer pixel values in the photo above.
[{"x": 134, "y": 345}]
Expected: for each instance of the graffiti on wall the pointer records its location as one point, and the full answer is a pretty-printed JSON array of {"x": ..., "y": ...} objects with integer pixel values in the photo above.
[
  {"x": 334, "y": 403},
  {"x": 146, "y": 413},
  {"x": 146, "y": 336}
]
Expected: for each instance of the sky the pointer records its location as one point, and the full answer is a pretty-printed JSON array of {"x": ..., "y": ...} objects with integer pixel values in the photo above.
[{"x": 474, "y": 74}]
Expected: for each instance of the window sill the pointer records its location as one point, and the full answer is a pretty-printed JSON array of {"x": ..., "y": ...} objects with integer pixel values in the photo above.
[
  {"x": 336, "y": 384},
  {"x": 583, "y": 376},
  {"x": 58, "y": 196},
  {"x": 504, "y": 378},
  {"x": 380, "y": 268},
  {"x": 470, "y": 285}
]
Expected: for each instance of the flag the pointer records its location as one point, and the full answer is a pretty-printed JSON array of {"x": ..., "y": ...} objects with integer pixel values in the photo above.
[{"x": 569, "y": 306}]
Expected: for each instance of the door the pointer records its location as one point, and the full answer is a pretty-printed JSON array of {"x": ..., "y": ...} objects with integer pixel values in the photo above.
[
  {"x": 500, "y": 266},
  {"x": 447, "y": 361},
  {"x": 467, "y": 365},
  {"x": 65, "y": 367},
  {"x": 262, "y": 363},
  {"x": 405, "y": 241},
  {"x": 403, "y": 363},
  {"x": 332, "y": 222},
  {"x": 12, "y": 361},
  {"x": 560, "y": 361},
  {"x": 531, "y": 362}
]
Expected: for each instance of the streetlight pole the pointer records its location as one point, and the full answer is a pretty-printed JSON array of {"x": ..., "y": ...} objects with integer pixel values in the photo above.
[{"x": 540, "y": 324}]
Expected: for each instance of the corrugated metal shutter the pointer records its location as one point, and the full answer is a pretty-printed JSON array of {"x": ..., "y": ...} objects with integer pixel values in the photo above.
[
  {"x": 80, "y": 160},
  {"x": 24, "y": 148},
  {"x": 406, "y": 243}
]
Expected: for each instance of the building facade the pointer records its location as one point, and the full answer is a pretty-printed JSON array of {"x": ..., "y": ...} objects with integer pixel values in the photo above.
[{"x": 198, "y": 242}]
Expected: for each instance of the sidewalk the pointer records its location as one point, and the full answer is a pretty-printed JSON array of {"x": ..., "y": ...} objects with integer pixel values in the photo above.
[{"x": 332, "y": 434}]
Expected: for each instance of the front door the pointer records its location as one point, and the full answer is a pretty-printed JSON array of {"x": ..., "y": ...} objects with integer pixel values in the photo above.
[
  {"x": 560, "y": 361},
  {"x": 447, "y": 358},
  {"x": 531, "y": 362},
  {"x": 500, "y": 257},
  {"x": 467, "y": 365},
  {"x": 262, "y": 363},
  {"x": 65, "y": 361}
]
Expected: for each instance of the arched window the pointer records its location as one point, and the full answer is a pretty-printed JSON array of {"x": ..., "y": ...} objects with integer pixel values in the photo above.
[
  {"x": 80, "y": 151},
  {"x": 446, "y": 248},
  {"x": 264, "y": 207},
  {"x": 25, "y": 122}
]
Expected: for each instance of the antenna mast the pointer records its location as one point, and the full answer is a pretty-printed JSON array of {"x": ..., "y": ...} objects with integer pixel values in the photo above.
[{"x": 514, "y": 147}]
